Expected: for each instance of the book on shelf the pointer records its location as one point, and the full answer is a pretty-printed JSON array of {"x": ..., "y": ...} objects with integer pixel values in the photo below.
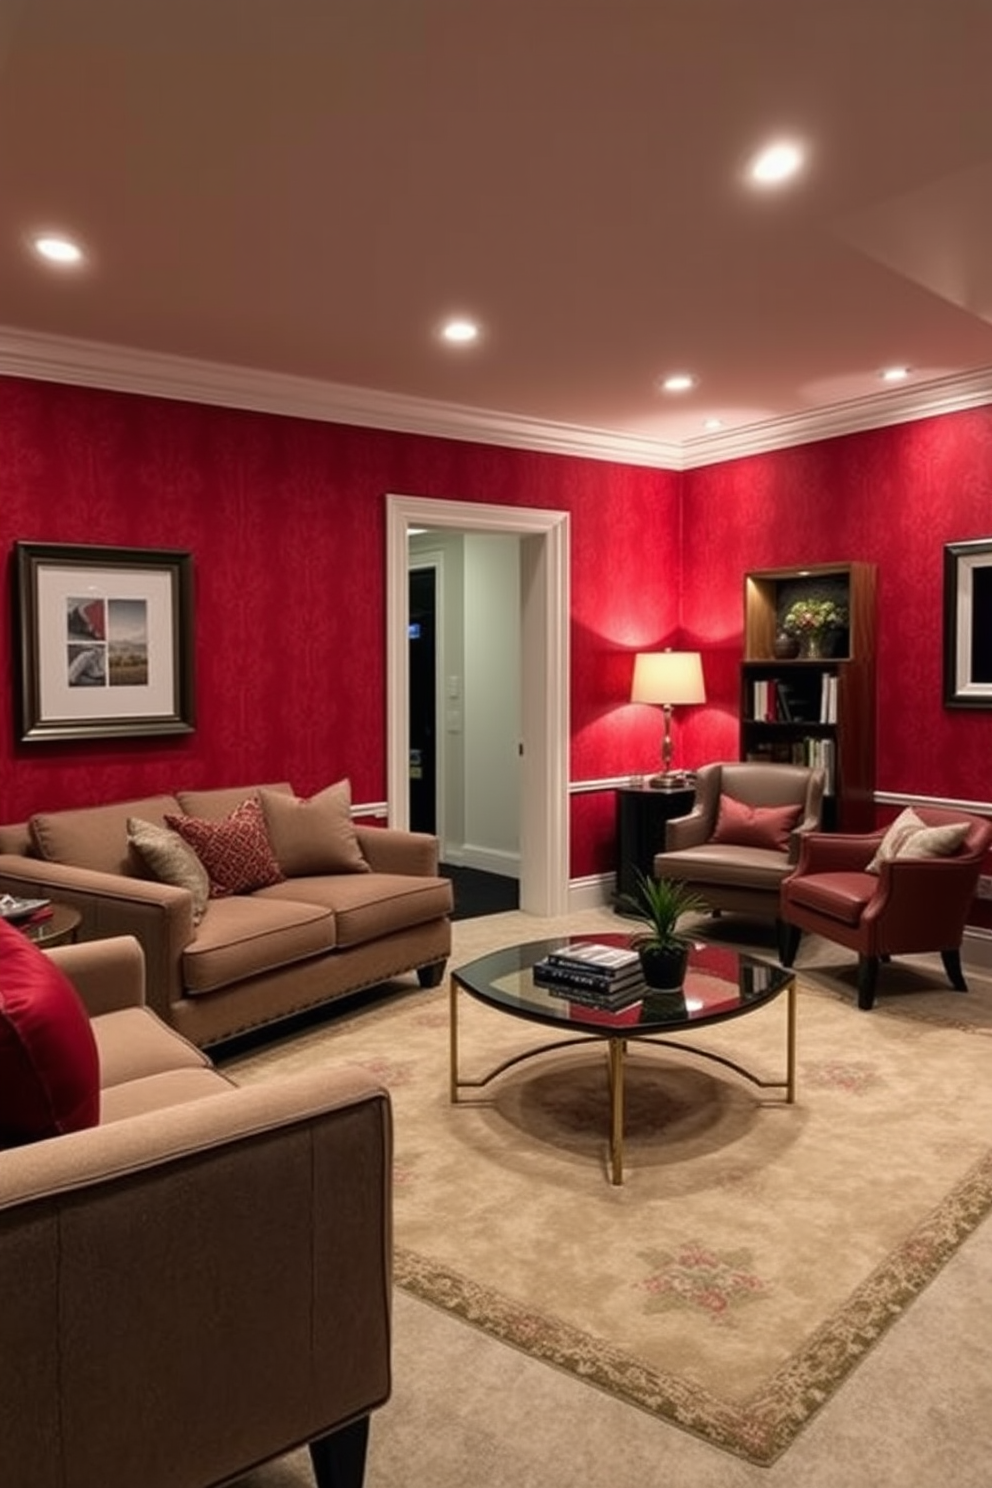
[
  {"x": 590, "y": 955},
  {"x": 828, "y": 697}
]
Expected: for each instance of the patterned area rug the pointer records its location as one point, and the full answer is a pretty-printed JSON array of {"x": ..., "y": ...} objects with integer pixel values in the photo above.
[{"x": 755, "y": 1252}]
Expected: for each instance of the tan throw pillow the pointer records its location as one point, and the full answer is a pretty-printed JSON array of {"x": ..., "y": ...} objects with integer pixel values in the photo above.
[
  {"x": 236, "y": 851},
  {"x": 933, "y": 842},
  {"x": 170, "y": 861},
  {"x": 905, "y": 823},
  {"x": 910, "y": 837},
  {"x": 313, "y": 836}
]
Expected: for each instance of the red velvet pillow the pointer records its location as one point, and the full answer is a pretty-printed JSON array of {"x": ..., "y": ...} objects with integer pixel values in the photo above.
[
  {"x": 235, "y": 851},
  {"x": 49, "y": 1067},
  {"x": 740, "y": 825}
]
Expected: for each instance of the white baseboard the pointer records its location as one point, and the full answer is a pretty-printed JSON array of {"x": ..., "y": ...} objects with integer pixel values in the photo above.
[
  {"x": 594, "y": 892},
  {"x": 488, "y": 859}
]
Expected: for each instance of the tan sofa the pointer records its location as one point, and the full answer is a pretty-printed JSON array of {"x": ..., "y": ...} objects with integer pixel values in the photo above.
[
  {"x": 200, "y": 1282},
  {"x": 253, "y": 957}
]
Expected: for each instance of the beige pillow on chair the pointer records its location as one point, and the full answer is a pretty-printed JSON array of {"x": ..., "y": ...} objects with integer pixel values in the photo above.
[
  {"x": 315, "y": 835},
  {"x": 910, "y": 837}
]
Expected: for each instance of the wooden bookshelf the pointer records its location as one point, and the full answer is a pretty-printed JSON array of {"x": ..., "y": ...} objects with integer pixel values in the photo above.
[{"x": 822, "y": 710}]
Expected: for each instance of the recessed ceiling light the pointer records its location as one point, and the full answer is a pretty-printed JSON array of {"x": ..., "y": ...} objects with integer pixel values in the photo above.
[
  {"x": 776, "y": 163},
  {"x": 894, "y": 374},
  {"x": 57, "y": 249},
  {"x": 713, "y": 423},
  {"x": 460, "y": 331},
  {"x": 678, "y": 382}
]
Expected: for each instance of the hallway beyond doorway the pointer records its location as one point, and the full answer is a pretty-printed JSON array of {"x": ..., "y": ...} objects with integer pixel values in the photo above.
[{"x": 480, "y": 893}]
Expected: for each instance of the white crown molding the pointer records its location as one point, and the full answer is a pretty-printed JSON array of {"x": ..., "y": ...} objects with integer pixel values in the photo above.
[
  {"x": 943, "y": 395},
  {"x": 47, "y": 358},
  {"x": 123, "y": 369}
]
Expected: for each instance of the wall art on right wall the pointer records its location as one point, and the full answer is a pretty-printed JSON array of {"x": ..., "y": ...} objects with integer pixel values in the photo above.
[{"x": 968, "y": 624}]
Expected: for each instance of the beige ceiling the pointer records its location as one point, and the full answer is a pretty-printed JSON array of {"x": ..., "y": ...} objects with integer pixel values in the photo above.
[{"x": 305, "y": 188}]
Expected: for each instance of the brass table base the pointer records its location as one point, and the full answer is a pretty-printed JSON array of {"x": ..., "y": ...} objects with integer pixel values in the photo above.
[{"x": 616, "y": 1049}]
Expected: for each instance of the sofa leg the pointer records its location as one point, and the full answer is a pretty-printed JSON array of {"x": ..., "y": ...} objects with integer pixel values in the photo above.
[
  {"x": 952, "y": 965},
  {"x": 788, "y": 937},
  {"x": 432, "y": 975},
  {"x": 867, "y": 977},
  {"x": 339, "y": 1458}
]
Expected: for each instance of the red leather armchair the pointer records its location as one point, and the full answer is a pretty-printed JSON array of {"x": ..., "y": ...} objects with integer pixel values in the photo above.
[{"x": 911, "y": 905}]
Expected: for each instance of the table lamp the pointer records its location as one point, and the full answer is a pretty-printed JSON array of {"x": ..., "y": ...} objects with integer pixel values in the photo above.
[{"x": 668, "y": 678}]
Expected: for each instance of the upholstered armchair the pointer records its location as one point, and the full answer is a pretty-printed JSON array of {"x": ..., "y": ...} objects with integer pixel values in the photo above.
[
  {"x": 194, "y": 1276},
  {"x": 742, "y": 836},
  {"x": 902, "y": 891}
]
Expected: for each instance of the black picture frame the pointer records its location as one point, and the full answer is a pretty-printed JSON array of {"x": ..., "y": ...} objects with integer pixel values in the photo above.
[
  {"x": 968, "y": 624},
  {"x": 104, "y": 641}
]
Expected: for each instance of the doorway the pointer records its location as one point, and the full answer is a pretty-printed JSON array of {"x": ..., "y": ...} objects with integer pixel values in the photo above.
[
  {"x": 422, "y": 631},
  {"x": 544, "y": 679}
]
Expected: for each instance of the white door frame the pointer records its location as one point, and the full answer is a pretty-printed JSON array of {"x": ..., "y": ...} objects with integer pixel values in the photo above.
[{"x": 544, "y": 601}]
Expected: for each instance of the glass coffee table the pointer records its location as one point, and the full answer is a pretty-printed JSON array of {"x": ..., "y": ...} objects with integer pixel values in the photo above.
[{"x": 720, "y": 984}]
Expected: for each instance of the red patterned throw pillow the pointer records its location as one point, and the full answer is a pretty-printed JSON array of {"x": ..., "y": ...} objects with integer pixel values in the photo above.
[
  {"x": 49, "y": 1065},
  {"x": 235, "y": 851},
  {"x": 740, "y": 825}
]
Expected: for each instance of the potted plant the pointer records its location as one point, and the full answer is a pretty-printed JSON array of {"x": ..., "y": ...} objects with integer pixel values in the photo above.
[{"x": 660, "y": 903}]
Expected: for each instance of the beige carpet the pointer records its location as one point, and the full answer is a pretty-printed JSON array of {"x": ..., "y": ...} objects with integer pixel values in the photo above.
[{"x": 755, "y": 1253}]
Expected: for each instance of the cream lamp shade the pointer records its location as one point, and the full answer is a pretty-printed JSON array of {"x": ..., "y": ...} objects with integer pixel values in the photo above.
[{"x": 669, "y": 679}]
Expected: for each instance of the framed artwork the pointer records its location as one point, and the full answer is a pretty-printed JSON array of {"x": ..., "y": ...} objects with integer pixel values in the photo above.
[
  {"x": 968, "y": 624},
  {"x": 105, "y": 641}
]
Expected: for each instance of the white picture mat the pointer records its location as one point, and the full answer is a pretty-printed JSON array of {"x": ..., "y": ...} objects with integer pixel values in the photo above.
[{"x": 58, "y": 701}]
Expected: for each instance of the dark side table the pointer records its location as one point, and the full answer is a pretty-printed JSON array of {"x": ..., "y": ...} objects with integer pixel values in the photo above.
[
  {"x": 55, "y": 929},
  {"x": 641, "y": 816}
]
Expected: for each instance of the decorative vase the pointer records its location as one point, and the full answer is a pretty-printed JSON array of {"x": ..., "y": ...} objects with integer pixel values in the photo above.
[
  {"x": 813, "y": 644},
  {"x": 664, "y": 966},
  {"x": 785, "y": 646}
]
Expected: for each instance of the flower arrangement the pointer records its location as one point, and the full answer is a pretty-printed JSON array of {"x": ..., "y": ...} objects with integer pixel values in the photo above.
[{"x": 813, "y": 616}]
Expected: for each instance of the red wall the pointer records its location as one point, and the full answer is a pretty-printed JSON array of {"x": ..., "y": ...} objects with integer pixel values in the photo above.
[
  {"x": 892, "y": 497},
  {"x": 286, "y": 521}
]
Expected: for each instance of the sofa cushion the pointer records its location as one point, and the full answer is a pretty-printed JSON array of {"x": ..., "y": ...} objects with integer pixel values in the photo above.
[
  {"x": 313, "y": 836},
  {"x": 245, "y": 936},
  {"x": 910, "y": 837},
  {"x": 157, "y": 1092},
  {"x": 170, "y": 860},
  {"x": 235, "y": 851},
  {"x": 367, "y": 906},
  {"x": 213, "y": 804},
  {"x": 841, "y": 896},
  {"x": 96, "y": 836},
  {"x": 751, "y": 867},
  {"x": 49, "y": 1066},
  {"x": 133, "y": 1043},
  {"x": 741, "y": 825}
]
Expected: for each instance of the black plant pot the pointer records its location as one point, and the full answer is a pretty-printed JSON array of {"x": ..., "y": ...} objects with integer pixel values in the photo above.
[{"x": 664, "y": 966}]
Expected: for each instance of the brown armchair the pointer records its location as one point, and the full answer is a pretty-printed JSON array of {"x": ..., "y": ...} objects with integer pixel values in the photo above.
[
  {"x": 200, "y": 1282},
  {"x": 741, "y": 838},
  {"x": 911, "y": 905}
]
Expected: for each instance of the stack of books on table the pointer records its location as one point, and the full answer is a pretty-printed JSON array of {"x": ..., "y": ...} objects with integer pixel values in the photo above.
[{"x": 601, "y": 975}]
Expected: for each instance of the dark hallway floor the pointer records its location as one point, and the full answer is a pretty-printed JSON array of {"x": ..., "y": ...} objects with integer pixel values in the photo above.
[{"x": 479, "y": 893}]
